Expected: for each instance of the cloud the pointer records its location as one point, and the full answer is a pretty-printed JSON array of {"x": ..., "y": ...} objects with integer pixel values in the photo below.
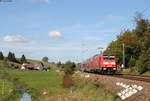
[
  {"x": 114, "y": 17},
  {"x": 90, "y": 38},
  {"x": 46, "y": 1},
  {"x": 55, "y": 34},
  {"x": 15, "y": 39},
  {"x": 110, "y": 17}
]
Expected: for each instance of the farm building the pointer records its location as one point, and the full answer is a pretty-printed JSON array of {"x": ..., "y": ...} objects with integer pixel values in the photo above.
[{"x": 32, "y": 66}]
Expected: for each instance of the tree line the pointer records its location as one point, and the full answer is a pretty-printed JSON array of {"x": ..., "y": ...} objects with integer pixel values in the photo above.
[
  {"x": 136, "y": 44},
  {"x": 11, "y": 57}
]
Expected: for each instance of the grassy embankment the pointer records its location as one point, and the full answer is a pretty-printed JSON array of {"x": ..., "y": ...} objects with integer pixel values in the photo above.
[
  {"x": 8, "y": 86},
  {"x": 133, "y": 71},
  {"x": 37, "y": 83},
  {"x": 5, "y": 88}
]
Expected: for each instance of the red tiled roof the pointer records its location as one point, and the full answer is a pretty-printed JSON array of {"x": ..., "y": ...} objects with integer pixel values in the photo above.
[{"x": 32, "y": 65}]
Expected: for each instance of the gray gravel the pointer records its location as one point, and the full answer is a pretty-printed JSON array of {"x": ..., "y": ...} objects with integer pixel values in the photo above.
[{"x": 109, "y": 83}]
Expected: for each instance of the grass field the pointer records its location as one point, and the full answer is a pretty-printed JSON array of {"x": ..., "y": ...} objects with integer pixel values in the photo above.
[
  {"x": 6, "y": 88},
  {"x": 47, "y": 86},
  {"x": 147, "y": 74},
  {"x": 37, "y": 82}
]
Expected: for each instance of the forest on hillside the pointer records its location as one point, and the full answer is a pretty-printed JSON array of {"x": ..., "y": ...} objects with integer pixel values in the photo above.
[{"x": 136, "y": 45}]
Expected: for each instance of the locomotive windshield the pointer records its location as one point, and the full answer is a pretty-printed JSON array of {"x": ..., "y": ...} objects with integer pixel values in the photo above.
[{"x": 109, "y": 57}]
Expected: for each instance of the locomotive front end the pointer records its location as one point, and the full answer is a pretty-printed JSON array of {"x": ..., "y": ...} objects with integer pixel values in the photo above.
[{"x": 109, "y": 63}]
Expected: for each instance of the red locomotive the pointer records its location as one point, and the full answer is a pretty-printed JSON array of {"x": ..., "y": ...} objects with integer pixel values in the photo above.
[{"x": 101, "y": 63}]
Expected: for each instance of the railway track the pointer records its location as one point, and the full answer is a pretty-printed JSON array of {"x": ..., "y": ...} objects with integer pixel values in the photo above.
[
  {"x": 130, "y": 77},
  {"x": 133, "y": 77}
]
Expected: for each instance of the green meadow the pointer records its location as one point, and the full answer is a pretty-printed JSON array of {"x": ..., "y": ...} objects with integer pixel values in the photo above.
[{"x": 47, "y": 86}]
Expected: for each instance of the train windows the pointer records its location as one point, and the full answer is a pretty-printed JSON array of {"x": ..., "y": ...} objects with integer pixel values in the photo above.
[
  {"x": 106, "y": 57},
  {"x": 109, "y": 57}
]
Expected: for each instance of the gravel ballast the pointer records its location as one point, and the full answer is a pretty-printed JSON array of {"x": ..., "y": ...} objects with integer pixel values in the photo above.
[{"x": 109, "y": 83}]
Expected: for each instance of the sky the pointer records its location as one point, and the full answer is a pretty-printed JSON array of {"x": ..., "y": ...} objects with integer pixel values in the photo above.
[{"x": 64, "y": 29}]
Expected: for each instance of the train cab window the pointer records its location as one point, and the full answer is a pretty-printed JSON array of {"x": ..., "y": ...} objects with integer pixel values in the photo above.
[
  {"x": 109, "y": 57},
  {"x": 106, "y": 58}
]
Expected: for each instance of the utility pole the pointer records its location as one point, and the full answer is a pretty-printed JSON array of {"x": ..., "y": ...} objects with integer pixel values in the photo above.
[
  {"x": 100, "y": 49},
  {"x": 123, "y": 56}
]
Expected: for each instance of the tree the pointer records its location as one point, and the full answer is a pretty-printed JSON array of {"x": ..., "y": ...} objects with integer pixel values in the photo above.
[
  {"x": 142, "y": 26},
  {"x": 11, "y": 57},
  {"x": 1, "y": 56},
  {"x": 146, "y": 40},
  {"x": 137, "y": 46},
  {"x": 143, "y": 62},
  {"x": 23, "y": 59},
  {"x": 45, "y": 59},
  {"x": 59, "y": 65},
  {"x": 69, "y": 67},
  {"x": 132, "y": 46},
  {"x": 132, "y": 62}
]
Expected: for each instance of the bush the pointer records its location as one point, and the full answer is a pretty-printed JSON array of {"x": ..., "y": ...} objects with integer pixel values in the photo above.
[
  {"x": 143, "y": 63},
  {"x": 69, "y": 67},
  {"x": 132, "y": 62},
  {"x": 59, "y": 65}
]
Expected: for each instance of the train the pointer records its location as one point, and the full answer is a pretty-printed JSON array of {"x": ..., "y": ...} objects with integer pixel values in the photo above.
[{"x": 100, "y": 63}]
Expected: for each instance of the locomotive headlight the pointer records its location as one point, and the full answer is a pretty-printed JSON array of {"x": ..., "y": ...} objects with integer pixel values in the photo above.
[
  {"x": 105, "y": 63},
  {"x": 113, "y": 63},
  {"x": 105, "y": 68},
  {"x": 114, "y": 68}
]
